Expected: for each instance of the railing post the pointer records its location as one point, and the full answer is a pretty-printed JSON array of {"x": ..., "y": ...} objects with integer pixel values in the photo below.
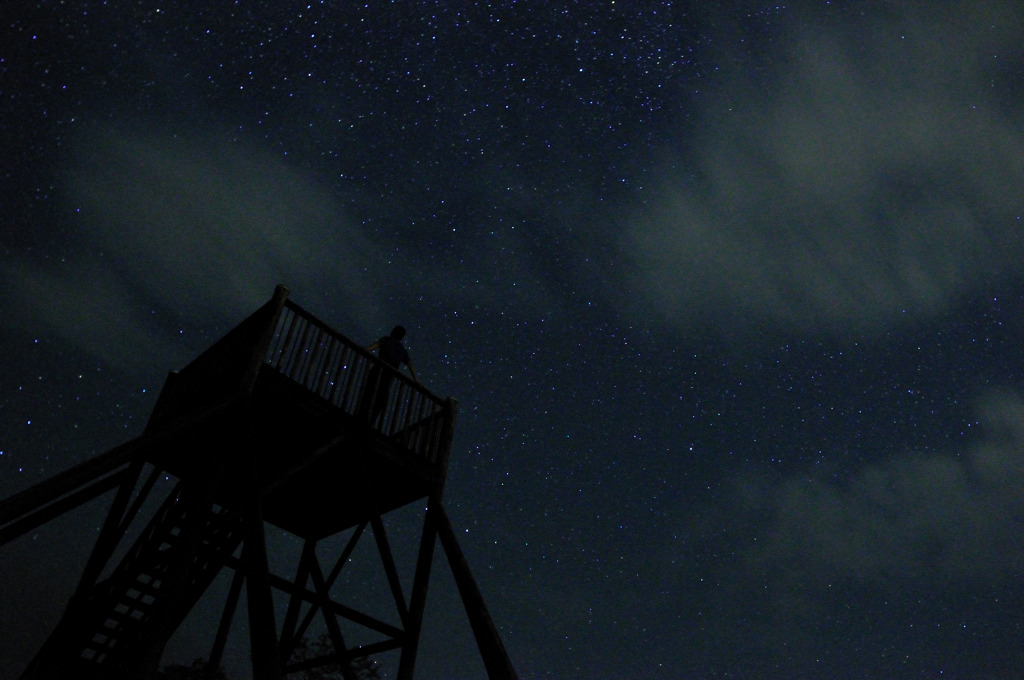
[{"x": 259, "y": 351}]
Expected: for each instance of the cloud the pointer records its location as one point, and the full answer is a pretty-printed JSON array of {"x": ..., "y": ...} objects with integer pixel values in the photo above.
[
  {"x": 868, "y": 172},
  {"x": 948, "y": 517},
  {"x": 194, "y": 229},
  {"x": 806, "y": 568},
  {"x": 82, "y": 302}
]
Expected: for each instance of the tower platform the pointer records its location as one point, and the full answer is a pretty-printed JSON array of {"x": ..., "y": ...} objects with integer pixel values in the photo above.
[
  {"x": 290, "y": 396},
  {"x": 282, "y": 421}
]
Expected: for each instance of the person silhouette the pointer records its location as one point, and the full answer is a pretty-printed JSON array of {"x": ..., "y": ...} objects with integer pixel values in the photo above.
[{"x": 392, "y": 355}]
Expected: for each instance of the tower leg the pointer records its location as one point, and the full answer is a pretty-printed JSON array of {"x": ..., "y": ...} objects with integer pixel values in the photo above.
[
  {"x": 221, "y": 639},
  {"x": 496, "y": 661},
  {"x": 418, "y": 597},
  {"x": 266, "y": 664}
]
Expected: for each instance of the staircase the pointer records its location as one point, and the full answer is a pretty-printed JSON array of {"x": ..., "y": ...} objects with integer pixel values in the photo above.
[{"x": 123, "y": 622}]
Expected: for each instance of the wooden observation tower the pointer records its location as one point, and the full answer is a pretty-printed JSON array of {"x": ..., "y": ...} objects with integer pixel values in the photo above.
[{"x": 270, "y": 426}]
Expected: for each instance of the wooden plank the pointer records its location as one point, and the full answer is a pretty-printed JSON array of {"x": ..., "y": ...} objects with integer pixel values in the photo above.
[
  {"x": 51, "y": 489},
  {"x": 27, "y": 523}
]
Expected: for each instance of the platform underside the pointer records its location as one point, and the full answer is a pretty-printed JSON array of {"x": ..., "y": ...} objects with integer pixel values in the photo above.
[{"x": 318, "y": 469}]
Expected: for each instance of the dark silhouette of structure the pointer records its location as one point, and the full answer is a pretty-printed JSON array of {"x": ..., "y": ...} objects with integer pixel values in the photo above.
[{"x": 261, "y": 429}]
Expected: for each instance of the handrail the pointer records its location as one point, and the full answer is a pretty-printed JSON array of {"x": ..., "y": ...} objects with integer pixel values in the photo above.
[
  {"x": 349, "y": 377},
  {"x": 284, "y": 337}
]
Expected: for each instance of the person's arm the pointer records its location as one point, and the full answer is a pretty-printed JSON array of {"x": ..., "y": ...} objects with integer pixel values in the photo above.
[
  {"x": 373, "y": 345},
  {"x": 412, "y": 371}
]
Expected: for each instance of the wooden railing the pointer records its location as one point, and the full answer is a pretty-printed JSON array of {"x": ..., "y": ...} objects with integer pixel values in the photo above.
[
  {"x": 283, "y": 337},
  {"x": 350, "y": 378}
]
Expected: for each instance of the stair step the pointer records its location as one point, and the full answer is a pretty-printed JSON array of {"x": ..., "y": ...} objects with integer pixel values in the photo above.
[{"x": 135, "y": 587}]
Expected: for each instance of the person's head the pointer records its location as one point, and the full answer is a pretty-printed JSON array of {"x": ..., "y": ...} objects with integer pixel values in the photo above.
[{"x": 398, "y": 332}]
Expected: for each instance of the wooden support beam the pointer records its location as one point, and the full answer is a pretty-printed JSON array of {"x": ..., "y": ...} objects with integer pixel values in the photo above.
[
  {"x": 266, "y": 665},
  {"x": 298, "y": 590},
  {"x": 27, "y": 523},
  {"x": 114, "y": 527},
  {"x": 383, "y": 547},
  {"x": 52, "y": 489},
  {"x": 333, "y": 629},
  {"x": 73, "y": 480},
  {"x": 262, "y": 628},
  {"x": 418, "y": 597},
  {"x": 354, "y": 615},
  {"x": 226, "y": 617},
  {"x": 291, "y": 618},
  {"x": 388, "y": 560},
  {"x": 496, "y": 661}
]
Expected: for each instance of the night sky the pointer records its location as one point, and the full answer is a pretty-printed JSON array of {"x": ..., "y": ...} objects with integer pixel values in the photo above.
[{"x": 731, "y": 295}]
